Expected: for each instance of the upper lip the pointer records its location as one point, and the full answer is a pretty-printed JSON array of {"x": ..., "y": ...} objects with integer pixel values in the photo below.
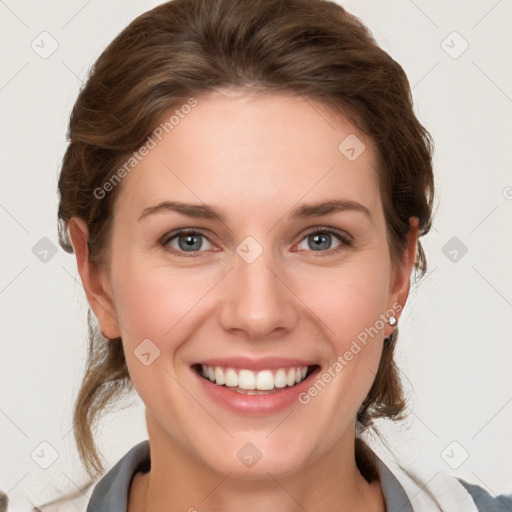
[{"x": 263, "y": 363}]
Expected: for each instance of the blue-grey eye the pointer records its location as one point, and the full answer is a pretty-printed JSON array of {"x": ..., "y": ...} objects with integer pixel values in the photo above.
[
  {"x": 187, "y": 242},
  {"x": 321, "y": 240},
  {"x": 190, "y": 242}
]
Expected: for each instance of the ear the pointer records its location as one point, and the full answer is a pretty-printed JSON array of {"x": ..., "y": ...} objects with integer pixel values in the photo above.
[
  {"x": 401, "y": 276},
  {"x": 95, "y": 284}
]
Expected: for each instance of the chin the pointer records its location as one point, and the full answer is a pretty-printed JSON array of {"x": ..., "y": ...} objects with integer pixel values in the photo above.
[{"x": 253, "y": 456}]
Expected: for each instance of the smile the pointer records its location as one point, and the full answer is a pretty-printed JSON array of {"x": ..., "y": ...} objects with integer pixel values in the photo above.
[
  {"x": 251, "y": 382},
  {"x": 249, "y": 386}
]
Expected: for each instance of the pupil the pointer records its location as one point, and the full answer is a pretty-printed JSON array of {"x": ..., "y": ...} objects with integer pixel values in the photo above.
[
  {"x": 318, "y": 239},
  {"x": 191, "y": 242}
]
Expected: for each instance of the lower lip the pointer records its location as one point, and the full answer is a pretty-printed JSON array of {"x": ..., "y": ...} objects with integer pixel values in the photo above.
[{"x": 255, "y": 404}]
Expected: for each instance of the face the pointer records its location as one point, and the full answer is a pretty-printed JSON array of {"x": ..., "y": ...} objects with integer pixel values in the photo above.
[{"x": 252, "y": 282}]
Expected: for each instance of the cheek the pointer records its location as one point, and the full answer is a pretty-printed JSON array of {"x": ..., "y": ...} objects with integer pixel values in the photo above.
[
  {"x": 164, "y": 305},
  {"x": 156, "y": 304},
  {"x": 348, "y": 299},
  {"x": 349, "y": 303},
  {"x": 152, "y": 299}
]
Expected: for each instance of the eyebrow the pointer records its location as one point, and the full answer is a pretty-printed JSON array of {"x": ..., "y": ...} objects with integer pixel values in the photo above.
[{"x": 204, "y": 211}]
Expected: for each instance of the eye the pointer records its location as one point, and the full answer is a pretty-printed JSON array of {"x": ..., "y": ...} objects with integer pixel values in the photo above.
[
  {"x": 320, "y": 240},
  {"x": 185, "y": 242}
]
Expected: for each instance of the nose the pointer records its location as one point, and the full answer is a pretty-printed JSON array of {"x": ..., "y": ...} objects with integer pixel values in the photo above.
[{"x": 258, "y": 300}]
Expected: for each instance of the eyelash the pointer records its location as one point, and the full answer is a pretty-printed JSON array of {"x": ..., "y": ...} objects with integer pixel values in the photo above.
[{"x": 346, "y": 241}]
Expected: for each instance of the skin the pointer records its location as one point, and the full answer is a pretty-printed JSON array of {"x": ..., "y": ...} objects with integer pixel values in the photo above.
[{"x": 256, "y": 157}]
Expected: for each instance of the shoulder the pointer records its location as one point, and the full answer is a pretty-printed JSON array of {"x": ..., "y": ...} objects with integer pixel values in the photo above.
[
  {"x": 107, "y": 493},
  {"x": 486, "y": 502},
  {"x": 432, "y": 489}
]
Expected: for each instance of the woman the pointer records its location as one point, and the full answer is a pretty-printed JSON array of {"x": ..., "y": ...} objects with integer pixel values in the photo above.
[{"x": 244, "y": 190}]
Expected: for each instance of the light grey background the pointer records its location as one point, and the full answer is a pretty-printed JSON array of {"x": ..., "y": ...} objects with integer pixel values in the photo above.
[{"x": 455, "y": 347}]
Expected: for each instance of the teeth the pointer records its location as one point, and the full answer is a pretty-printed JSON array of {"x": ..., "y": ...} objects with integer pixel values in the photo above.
[
  {"x": 219, "y": 376},
  {"x": 280, "y": 378},
  {"x": 231, "y": 377},
  {"x": 290, "y": 377},
  {"x": 265, "y": 380},
  {"x": 246, "y": 379}
]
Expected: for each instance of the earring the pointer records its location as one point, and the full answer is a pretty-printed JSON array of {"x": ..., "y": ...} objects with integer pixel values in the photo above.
[{"x": 391, "y": 321}]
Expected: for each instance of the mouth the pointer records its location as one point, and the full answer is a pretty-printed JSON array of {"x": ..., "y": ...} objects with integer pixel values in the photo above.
[{"x": 250, "y": 382}]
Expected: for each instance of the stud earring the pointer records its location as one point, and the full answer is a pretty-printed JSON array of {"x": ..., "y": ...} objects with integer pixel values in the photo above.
[{"x": 391, "y": 321}]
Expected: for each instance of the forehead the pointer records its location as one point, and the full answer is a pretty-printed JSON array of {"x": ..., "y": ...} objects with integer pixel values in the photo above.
[{"x": 254, "y": 151}]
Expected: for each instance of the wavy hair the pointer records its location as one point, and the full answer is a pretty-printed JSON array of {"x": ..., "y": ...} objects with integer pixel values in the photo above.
[{"x": 186, "y": 48}]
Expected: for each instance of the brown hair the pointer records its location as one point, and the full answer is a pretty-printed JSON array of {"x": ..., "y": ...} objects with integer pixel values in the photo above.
[{"x": 186, "y": 48}]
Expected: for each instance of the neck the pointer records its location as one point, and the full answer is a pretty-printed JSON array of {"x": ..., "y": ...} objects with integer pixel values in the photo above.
[
  {"x": 268, "y": 495},
  {"x": 178, "y": 482},
  {"x": 369, "y": 498}
]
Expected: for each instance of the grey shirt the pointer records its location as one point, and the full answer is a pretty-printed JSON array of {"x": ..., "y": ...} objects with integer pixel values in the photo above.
[{"x": 111, "y": 492}]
